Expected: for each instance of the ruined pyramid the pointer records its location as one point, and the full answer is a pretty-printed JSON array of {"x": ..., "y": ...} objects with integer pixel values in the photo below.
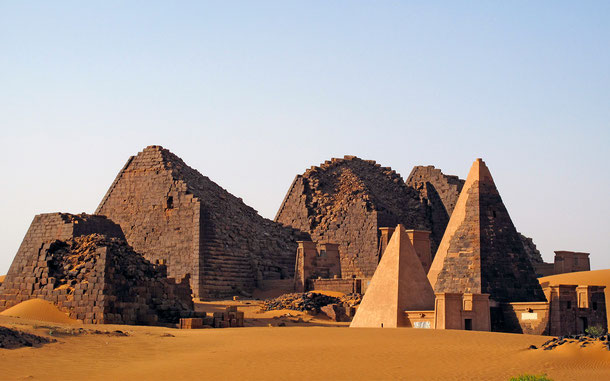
[
  {"x": 481, "y": 251},
  {"x": 346, "y": 201},
  {"x": 399, "y": 284},
  {"x": 174, "y": 215}
]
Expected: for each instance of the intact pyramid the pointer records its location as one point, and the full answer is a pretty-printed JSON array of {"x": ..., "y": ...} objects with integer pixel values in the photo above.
[
  {"x": 399, "y": 284},
  {"x": 481, "y": 251}
]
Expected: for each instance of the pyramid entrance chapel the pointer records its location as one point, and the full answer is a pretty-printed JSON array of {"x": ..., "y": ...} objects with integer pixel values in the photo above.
[{"x": 433, "y": 251}]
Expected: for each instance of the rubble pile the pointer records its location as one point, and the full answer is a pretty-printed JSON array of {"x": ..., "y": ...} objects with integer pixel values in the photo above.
[
  {"x": 582, "y": 341},
  {"x": 12, "y": 339},
  {"x": 299, "y": 302},
  {"x": 350, "y": 300},
  {"x": 340, "y": 309}
]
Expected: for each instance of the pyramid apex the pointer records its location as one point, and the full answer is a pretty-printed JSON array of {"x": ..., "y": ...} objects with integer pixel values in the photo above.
[
  {"x": 472, "y": 256},
  {"x": 153, "y": 148}
]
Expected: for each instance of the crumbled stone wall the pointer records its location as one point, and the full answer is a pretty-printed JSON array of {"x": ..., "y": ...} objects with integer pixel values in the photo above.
[
  {"x": 531, "y": 250},
  {"x": 96, "y": 278},
  {"x": 345, "y": 201},
  {"x": 170, "y": 212},
  {"x": 440, "y": 192}
]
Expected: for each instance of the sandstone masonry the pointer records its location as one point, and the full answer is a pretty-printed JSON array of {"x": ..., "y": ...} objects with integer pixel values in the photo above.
[
  {"x": 174, "y": 215},
  {"x": 83, "y": 265}
]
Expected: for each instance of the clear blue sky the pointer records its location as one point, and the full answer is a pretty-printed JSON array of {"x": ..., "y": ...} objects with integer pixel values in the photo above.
[{"x": 253, "y": 93}]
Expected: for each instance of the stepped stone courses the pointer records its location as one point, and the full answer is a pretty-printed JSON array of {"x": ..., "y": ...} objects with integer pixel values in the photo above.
[
  {"x": 481, "y": 252},
  {"x": 345, "y": 201},
  {"x": 172, "y": 214},
  {"x": 94, "y": 277}
]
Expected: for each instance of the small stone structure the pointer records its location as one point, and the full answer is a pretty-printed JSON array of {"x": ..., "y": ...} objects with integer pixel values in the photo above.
[
  {"x": 316, "y": 261},
  {"x": 565, "y": 262},
  {"x": 83, "y": 265},
  {"x": 570, "y": 310},
  {"x": 172, "y": 214}
]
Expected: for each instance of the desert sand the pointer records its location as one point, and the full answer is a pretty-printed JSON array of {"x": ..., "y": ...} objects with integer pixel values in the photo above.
[
  {"x": 307, "y": 350},
  {"x": 589, "y": 278},
  {"x": 38, "y": 309}
]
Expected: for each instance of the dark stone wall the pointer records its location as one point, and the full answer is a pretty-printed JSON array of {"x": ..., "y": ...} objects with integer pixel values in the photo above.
[
  {"x": 506, "y": 269},
  {"x": 172, "y": 213},
  {"x": 345, "y": 201}
]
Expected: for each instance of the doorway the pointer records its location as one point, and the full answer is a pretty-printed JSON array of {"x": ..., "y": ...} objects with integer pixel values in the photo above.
[
  {"x": 582, "y": 324},
  {"x": 468, "y": 324}
]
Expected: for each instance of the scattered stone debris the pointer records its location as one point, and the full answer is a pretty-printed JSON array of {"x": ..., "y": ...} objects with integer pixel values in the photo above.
[
  {"x": 299, "y": 302},
  {"x": 13, "y": 339},
  {"x": 351, "y": 300},
  {"x": 584, "y": 341},
  {"x": 338, "y": 309}
]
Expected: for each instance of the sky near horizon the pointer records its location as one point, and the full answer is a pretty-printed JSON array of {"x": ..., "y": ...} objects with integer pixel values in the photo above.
[{"x": 253, "y": 93}]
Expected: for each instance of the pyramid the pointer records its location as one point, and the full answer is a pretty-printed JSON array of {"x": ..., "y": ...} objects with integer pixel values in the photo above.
[
  {"x": 481, "y": 251},
  {"x": 399, "y": 285},
  {"x": 346, "y": 201},
  {"x": 174, "y": 215}
]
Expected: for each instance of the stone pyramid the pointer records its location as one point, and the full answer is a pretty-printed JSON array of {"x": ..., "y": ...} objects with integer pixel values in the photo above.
[
  {"x": 481, "y": 251},
  {"x": 399, "y": 284},
  {"x": 346, "y": 201},
  {"x": 174, "y": 215}
]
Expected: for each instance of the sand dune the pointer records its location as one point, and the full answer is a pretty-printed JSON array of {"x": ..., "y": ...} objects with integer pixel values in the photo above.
[
  {"x": 38, "y": 309},
  {"x": 2, "y": 278},
  {"x": 589, "y": 278},
  {"x": 303, "y": 353}
]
